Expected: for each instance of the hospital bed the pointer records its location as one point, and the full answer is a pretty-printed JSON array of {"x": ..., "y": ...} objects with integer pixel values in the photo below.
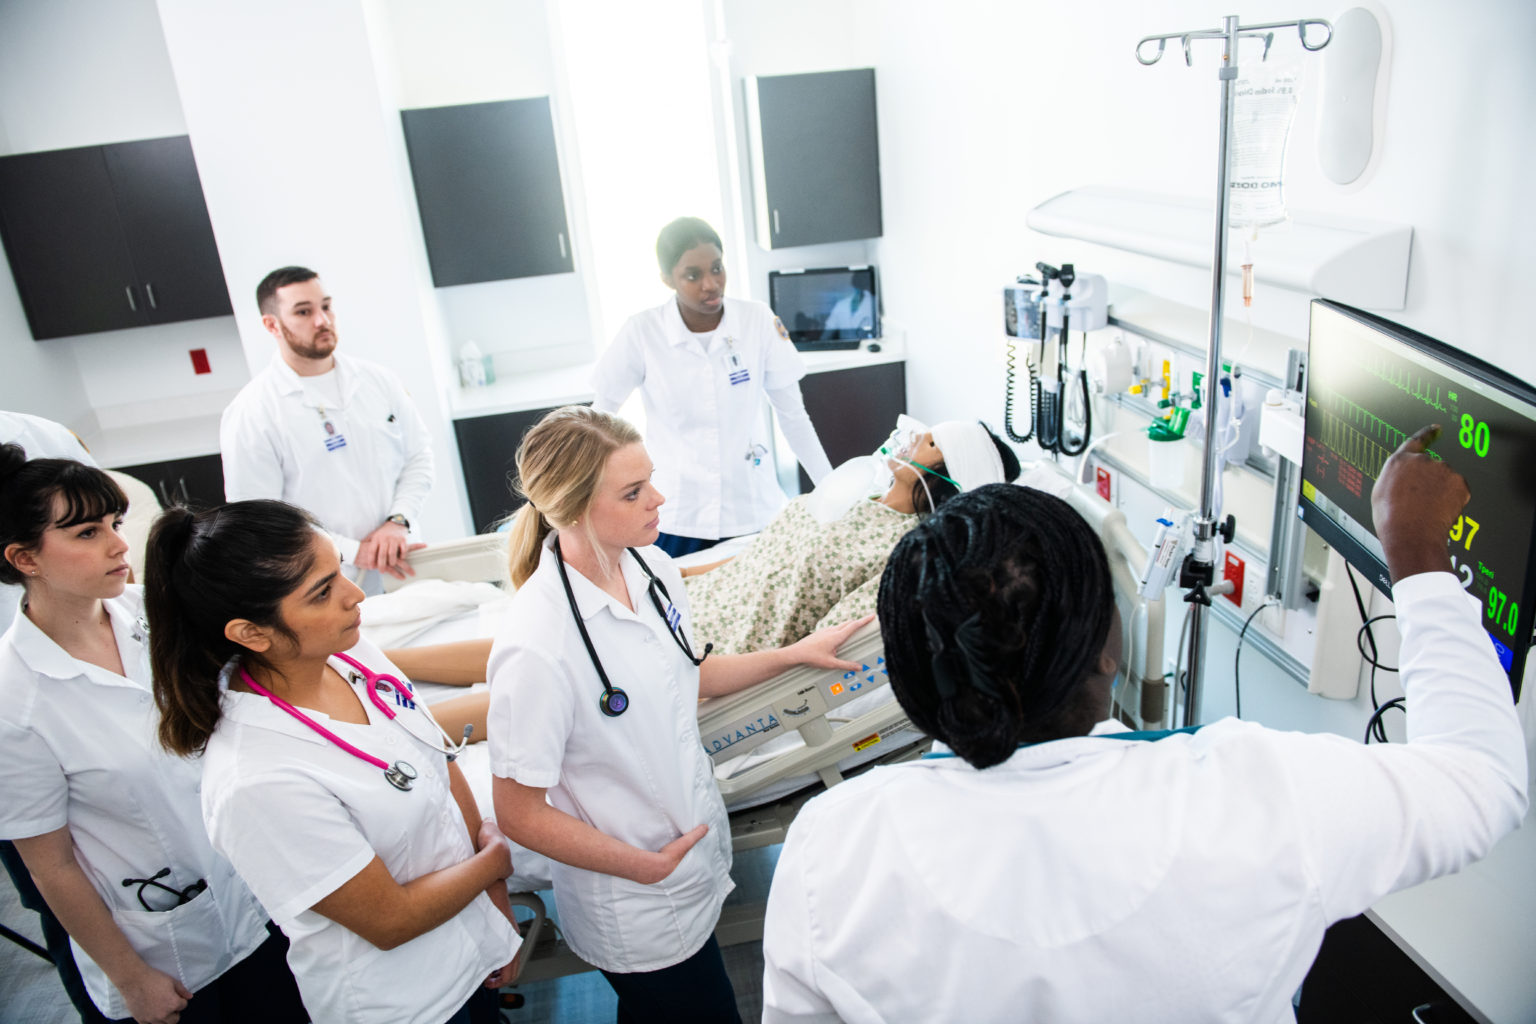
[{"x": 775, "y": 745}]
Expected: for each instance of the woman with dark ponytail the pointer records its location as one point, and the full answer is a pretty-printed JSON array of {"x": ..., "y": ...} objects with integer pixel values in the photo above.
[
  {"x": 107, "y": 822},
  {"x": 333, "y": 794},
  {"x": 1070, "y": 870}
]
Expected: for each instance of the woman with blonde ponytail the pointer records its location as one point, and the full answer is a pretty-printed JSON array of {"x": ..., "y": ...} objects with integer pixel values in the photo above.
[{"x": 595, "y": 750}]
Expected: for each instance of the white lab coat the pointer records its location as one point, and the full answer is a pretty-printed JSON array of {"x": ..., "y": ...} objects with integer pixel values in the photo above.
[
  {"x": 375, "y": 462},
  {"x": 705, "y": 425},
  {"x": 78, "y": 748},
  {"x": 1185, "y": 879},
  {"x": 298, "y": 817},
  {"x": 42, "y": 439},
  {"x": 641, "y": 777}
]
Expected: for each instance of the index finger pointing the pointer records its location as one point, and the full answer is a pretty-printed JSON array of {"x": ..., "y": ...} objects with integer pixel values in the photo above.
[{"x": 1421, "y": 439}]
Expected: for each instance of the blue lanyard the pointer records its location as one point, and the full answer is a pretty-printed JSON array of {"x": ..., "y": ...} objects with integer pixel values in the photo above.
[{"x": 1150, "y": 735}]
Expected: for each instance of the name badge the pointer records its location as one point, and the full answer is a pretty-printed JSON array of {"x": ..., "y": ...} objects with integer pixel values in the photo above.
[
  {"x": 334, "y": 440},
  {"x": 740, "y": 376}
]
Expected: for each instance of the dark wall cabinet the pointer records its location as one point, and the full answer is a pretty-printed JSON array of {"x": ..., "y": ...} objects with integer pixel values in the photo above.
[
  {"x": 488, "y": 187},
  {"x": 109, "y": 237},
  {"x": 853, "y": 410},
  {"x": 488, "y": 451},
  {"x": 197, "y": 482},
  {"x": 816, "y": 148}
]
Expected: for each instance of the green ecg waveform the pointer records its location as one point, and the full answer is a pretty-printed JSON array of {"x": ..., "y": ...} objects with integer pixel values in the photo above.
[{"x": 1408, "y": 382}]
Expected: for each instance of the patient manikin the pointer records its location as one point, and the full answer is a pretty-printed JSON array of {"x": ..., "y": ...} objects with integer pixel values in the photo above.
[
  {"x": 820, "y": 559},
  {"x": 869, "y": 476}
]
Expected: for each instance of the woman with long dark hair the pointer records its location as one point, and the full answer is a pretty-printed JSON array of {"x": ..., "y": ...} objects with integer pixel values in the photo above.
[
  {"x": 333, "y": 794},
  {"x": 108, "y": 823}
]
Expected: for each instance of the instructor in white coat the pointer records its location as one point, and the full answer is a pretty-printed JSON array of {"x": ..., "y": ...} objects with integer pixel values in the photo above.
[
  {"x": 1057, "y": 867},
  {"x": 703, "y": 364},
  {"x": 336, "y": 435}
]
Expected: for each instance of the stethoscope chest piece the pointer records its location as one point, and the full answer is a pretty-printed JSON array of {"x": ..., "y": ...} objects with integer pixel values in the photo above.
[
  {"x": 614, "y": 702},
  {"x": 401, "y": 775}
]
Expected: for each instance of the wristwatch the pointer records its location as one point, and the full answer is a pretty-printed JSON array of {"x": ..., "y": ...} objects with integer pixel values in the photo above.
[{"x": 398, "y": 518}]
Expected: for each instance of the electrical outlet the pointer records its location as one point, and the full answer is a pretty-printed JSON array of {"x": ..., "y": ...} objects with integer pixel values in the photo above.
[
  {"x": 200, "y": 361},
  {"x": 1233, "y": 570},
  {"x": 1104, "y": 482}
]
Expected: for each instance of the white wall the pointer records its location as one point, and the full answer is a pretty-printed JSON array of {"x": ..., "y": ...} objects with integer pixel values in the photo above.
[
  {"x": 987, "y": 109},
  {"x": 791, "y": 37},
  {"x": 82, "y": 73},
  {"x": 480, "y": 51}
]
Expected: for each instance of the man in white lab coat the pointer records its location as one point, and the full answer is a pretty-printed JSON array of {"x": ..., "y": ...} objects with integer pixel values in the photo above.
[{"x": 336, "y": 435}]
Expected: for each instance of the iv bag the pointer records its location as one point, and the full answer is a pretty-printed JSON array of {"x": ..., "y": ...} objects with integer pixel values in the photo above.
[{"x": 1264, "y": 108}]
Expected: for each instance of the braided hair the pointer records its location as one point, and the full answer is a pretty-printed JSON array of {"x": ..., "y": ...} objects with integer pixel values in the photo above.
[{"x": 994, "y": 611}]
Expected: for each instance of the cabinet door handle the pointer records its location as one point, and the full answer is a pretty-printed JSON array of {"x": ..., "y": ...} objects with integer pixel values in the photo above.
[
  {"x": 128, "y": 291},
  {"x": 149, "y": 290},
  {"x": 165, "y": 494},
  {"x": 561, "y": 236},
  {"x": 181, "y": 485},
  {"x": 775, "y": 221}
]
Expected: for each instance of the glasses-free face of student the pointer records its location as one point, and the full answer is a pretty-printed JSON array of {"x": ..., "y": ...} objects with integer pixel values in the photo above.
[
  {"x": 304, "y": 319},
  {"x": 87, "y": 559},
  {"x": 699, "y": 280},
  {"x": 626, "y": 510},
  {"x": 321, "y": 613}
]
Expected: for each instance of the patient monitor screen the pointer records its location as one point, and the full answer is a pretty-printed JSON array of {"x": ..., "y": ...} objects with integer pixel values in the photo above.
[{"x": 1372, "y": 383}]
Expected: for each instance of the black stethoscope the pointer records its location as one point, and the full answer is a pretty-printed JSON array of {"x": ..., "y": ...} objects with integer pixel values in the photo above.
[{"x": 614, "y": 701}]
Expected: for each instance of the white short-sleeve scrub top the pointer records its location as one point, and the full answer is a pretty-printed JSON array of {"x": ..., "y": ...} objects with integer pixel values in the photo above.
[
  {"x": 641, "y": 777},
  {"x": 706, "y": 425},
  {"x": 78, "y": 747},
  {"x": 299, "y": 816}
]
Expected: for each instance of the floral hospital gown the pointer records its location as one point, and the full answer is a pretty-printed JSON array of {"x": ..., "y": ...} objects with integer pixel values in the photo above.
[{"x": 793, "y": 576}]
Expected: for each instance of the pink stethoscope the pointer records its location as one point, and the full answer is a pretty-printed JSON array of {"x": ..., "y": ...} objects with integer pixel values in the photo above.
[{"x": 400, "y": 774}]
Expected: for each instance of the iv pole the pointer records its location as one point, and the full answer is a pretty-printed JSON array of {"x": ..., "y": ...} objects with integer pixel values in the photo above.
[{"x": 1199, "y": 568}]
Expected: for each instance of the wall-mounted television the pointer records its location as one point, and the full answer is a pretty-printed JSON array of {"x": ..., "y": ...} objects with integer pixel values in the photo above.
[
  {"x": 1370, "y": 384},
  {"x": 826, "y": 307}
]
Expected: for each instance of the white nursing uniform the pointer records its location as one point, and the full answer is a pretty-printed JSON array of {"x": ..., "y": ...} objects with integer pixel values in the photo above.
[
  {"x": 299, "y": 817},
  {"x": 641, "y": 777},
  {"x": 706, "y": 427},
  {"x": 78, "y": 748},
  {"x": 42, "y": 439},
  {"x": 1182, "y": 879},
  {"x": 350, "y": 447}
]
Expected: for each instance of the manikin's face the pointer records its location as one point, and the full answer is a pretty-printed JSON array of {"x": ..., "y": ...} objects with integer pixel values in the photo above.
[
  {"x": 86, "y": 560},
  {"x": 699, "y": 280},
  {"x": 304, "y": 323},
  {"x": 626, "y": 510}
]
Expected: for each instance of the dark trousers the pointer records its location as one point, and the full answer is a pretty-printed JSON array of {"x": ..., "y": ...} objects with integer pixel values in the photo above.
[
  {"x": 258, "y": 990},
  {"x": 697, "y": 990},
  {"x": 677, "y": 546}
]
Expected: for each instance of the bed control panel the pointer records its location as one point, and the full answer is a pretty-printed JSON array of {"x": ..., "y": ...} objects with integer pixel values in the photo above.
[{"x": 797, "y": 700}]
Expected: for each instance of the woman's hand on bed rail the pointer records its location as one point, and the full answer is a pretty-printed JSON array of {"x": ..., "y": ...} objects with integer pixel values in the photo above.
[
  {"x": 820, "y": 648},
  {"x": 727, "y": 673}
]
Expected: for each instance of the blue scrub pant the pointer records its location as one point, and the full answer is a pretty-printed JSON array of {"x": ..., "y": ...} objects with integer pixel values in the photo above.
[
  {"x": 697, "y": 990},
  {"x": 677, "y": 546}
]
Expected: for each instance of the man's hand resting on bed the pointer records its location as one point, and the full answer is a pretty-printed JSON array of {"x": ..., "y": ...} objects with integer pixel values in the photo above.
[{"x": 820, "y": 648}]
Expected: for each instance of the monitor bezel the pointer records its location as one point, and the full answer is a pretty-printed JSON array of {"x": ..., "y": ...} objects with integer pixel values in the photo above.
[
  {"x": 815, "y": 344},
  {"x": 1355, "y": 553}
]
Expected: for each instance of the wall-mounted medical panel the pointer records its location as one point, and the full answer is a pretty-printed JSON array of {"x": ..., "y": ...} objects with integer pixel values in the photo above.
[
  {"x": 815, "y": 153},
  {"x": 103, "y": 238},
  {"x": 487, "y": 179},
  {"x": 1360, "y": 262}
]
